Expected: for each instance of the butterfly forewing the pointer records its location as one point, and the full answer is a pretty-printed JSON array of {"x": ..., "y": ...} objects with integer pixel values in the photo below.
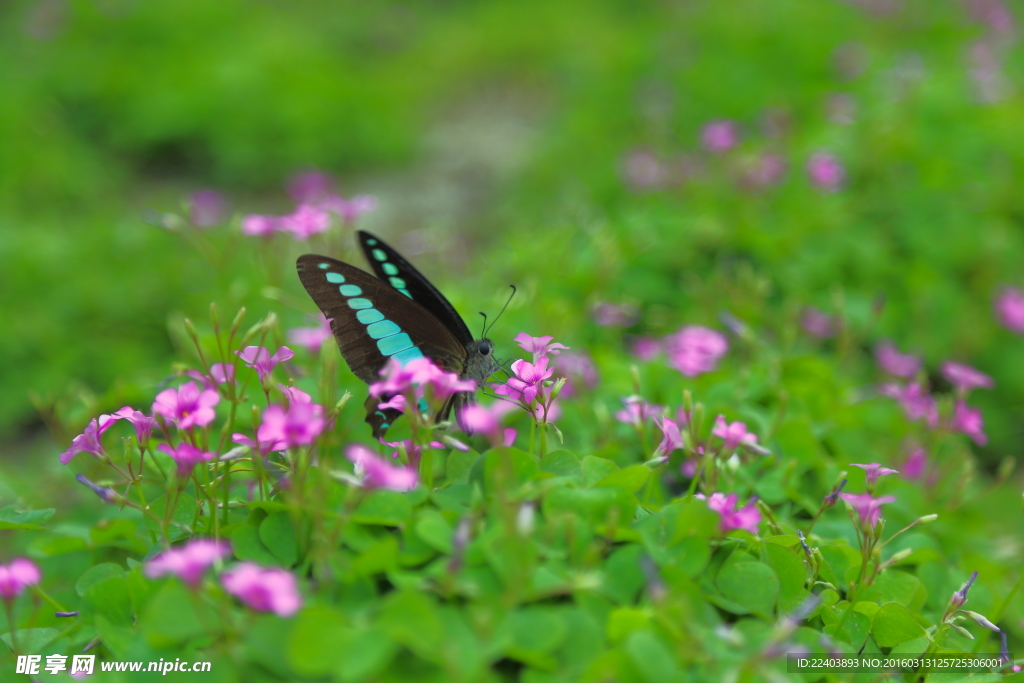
[
  {"x": 392, "y": 268},
  {"x": 373, "y": 322}
]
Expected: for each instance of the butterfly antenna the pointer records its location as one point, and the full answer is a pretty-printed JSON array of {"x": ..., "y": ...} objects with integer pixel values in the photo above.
[
  {"x": 502, "y": 309},
  {"x": 483, "y": 332}
]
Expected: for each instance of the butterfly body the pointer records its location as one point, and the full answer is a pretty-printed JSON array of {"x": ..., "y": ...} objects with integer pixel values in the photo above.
[{"x": 396, "y": 315}]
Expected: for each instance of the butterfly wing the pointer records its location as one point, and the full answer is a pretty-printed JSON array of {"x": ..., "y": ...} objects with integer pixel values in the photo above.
[
  {"x": 390, "y": 267},
  {"x": 372, "y": 322}
]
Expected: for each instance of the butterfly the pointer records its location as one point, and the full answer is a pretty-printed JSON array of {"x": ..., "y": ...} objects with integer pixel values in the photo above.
[{"x": 396, "y": 315}]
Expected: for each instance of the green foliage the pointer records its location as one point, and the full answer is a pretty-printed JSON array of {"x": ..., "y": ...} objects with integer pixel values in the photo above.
[{"x": 588, "y": 559}]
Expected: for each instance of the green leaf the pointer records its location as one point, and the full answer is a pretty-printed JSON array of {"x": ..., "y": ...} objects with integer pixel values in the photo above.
[
  {"x": 693, "y": 518},
  {"x": 536, "y": 629},
  {"x": 110, "y": 599},
  {"x": 411, "y": 619},
  {"x": 95, "y": 574},
  {"x": 278, "y": 535},
  {"x": 750, "y": 584},
  {"x": 598, "y": 505},
  {"x": 459, "y": 464},
  {"x": 62, "y": 545},
  {"x": 791, "y": 572},
  {"x": 896, "y": 586},
  {"x": 594, "y": 469},
  {"x": 118, "y": 638},
  {"x": 31, "y": 640},
  {"x": 180, "y": 524},
  {"x": 894, "y": 624},
  {"x": 625, "y": 621},
  {"x": 631, "y": 479},
  {"x": 504, "y": 468},
  {"x": 379, "y": 558},
  {"x": 623, "y": 576},
  {"x": 170, "y": 617},
  {"x": 246, "y": 544},
  {"x": 266, "y": 643},
  {"x": 118, "y": 533},
  {"x": 12, "y": 518},
  {"x": 384, "y": 508},
  {"x": 312, "y": 642},
  {"x": 562, "y": 464},
  {"x": 434, "y": 530},
  {"x": 362, "y": 654},
  {"x": 651, "y": 658}
]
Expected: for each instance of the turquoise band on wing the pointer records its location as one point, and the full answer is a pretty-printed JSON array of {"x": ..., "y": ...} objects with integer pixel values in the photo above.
[{"x": 391, "y": 341}]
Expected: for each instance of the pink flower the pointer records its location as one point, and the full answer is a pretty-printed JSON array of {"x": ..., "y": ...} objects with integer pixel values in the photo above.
[
  {"x": 765, "y": 171},
  {"x": 257, "y": 225},
  {"x": 965, "y": 378},
  {"x": 841, "y": 108},
  {"x": 377, "y": 473},
  {"x": 733, "y": 433},
  {"x": 671, "y": 439},
  {"x": 637, "y": 411},
  {"x": 222, "y": 372},
  {"x": 206, "y": 208},
  {"x": 259, "y": 358},
  {"x": 720, "y": 136},
  {"x": 916, "y": 464},
  {"x": 969, "y": 421},
  {"x": 825, "y": 171},
  {"x": 641, "y": 170},
  {"x": 415, "y": 376},
  {"x": 747, "y": 518},
  {"x": 310, "y": 187},
  {"x": 916, "y": 401},
  {"x": 186, "y": 456},
  {"x": 1010, "y": 309},
  {"x": 265, "y": 590},
  {"x": 539, "y": 346},
  {"x": 266, "y": 442},
  {"x": 143, "y": 424},
  {"x": 89, "y": 441},
  {"x": 873, "y": 471},
  {"x": 867, "y": 507},
  {"x": 300, "y": 425},
  {"x": 817, "y": 323},
  {"x": 445, "y": 384},
  {"x": 695, "y": 349},
  {"x": 487, "y": 421},
  {"x": 414, "y": 452},
  {"x": 187, "y": 406},
  {"x": 895, "y": 363},
  {"x": 578, "y": 369},
  {"x": 189, "y": 561},
  {"x": 607, "y": 314},
  {"x": 349, "y": 209},
  {"x": 16, "y": 577},
  {"x": 523, "y": 387},
  {"x": 307, "y": 220},
  {"x": 312, "y": 338},
  {"x": 646, "y": 348},
  {"x": 295, "y": 395}
]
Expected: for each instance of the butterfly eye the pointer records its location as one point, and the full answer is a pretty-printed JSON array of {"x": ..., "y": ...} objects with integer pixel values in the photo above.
[{"x": 485, "y": 348}]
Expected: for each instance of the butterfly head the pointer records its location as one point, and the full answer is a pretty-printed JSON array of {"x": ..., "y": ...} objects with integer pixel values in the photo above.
[{"x": 480, "y": 363}]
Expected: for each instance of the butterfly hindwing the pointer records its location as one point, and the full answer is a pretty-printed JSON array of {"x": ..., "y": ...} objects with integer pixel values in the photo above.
[
  {"x": 392, "y": 268},
  {"x": 372, "y": 322}
]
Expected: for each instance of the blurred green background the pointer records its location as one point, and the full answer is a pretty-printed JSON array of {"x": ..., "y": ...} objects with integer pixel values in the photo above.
[{"x": 553, "y": 144}]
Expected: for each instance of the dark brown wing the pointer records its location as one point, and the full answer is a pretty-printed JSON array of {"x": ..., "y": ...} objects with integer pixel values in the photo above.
[{"x": 372, "y": 322}]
